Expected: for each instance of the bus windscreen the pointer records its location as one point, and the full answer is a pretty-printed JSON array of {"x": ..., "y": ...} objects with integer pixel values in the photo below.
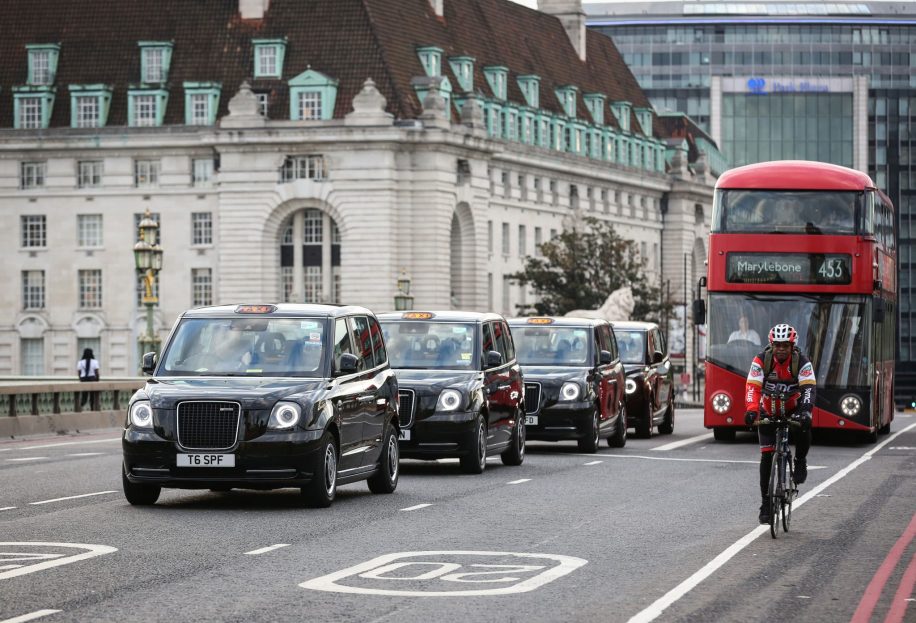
[
  {"x": 808, "y": 212},
  {"x": 832, "y": 330}
]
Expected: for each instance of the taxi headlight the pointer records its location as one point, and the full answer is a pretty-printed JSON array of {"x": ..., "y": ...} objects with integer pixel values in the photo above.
[
  {"x": 569, "y": 391},
  {"x": 449, "y": 400},
  {"x": 284, "y": 415},
  {"x": 631, "y": 386},
  {"x": 850, "y": 405},
  {"x": 721, "y": 403},
  {"x": 141, "y": 414}
]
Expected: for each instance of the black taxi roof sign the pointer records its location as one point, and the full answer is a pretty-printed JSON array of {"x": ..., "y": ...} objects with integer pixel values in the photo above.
[
  {"x": 540, "y": 321},
  {"x": 418, "y": 315},
  {"x": 255, "y": 309}
]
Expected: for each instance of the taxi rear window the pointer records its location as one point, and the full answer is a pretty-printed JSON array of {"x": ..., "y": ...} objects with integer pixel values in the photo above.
[{"x": 247, "y": 346}]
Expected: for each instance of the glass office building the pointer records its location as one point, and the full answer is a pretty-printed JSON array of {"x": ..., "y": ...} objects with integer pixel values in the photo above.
[{"x": 828, "y": 81}]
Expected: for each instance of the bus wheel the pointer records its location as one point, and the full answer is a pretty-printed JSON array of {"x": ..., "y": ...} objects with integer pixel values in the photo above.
[
  {"x": 886, "y": 429},
  {"x": 720, "y": 433},
  {"x": 870, "y": 436}
]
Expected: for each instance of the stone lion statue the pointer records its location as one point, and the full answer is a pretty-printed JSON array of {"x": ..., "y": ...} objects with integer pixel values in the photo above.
[{"x": 618, "y": 306}]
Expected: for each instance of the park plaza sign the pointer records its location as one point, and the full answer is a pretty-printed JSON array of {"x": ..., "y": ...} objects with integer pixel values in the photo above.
[{"x": 782, "y": 85}]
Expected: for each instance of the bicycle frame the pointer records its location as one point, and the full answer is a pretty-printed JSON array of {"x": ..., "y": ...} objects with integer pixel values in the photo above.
[{"x": 782, "y": 488}]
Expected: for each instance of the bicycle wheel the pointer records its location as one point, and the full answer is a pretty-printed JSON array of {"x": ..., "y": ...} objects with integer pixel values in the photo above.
[
  {"x": 789, "y": 495},
  {"x": 773, "y": 497}
]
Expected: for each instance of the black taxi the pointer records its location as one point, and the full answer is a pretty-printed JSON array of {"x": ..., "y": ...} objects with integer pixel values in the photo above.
[
  {"x": 265, "y": 397},
  {"x": 650, "y": 379},
  {"x": 574, "y": 383},
  {"x": 460, "y": 386}
]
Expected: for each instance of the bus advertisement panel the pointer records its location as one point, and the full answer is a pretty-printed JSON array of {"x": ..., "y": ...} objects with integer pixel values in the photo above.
[{"x": 811, "y": 245}]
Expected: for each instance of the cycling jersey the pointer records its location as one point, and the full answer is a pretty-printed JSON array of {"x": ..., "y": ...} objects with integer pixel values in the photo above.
[{"x": 801, "y": 390}]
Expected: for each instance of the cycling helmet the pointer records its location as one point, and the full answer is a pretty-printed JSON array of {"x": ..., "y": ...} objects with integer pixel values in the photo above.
[{"x": 783, "y": 333}]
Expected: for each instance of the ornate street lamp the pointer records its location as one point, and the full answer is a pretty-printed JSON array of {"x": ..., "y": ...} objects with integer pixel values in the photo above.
[
  {"x": 403, "y": 300},
  {"x": 148, "y": 260}
]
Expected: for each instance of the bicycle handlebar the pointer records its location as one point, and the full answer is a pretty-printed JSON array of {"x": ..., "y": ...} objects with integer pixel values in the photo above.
[{"x": 776, "y": 421}]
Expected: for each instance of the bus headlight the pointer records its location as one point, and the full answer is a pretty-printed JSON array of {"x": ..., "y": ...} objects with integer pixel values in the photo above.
[
  {"x": 569, "y": 391},
  {"x": 850, "y": 405},
  {"x": 721, "y": 403},
  {"x": 631, "y": 386}
]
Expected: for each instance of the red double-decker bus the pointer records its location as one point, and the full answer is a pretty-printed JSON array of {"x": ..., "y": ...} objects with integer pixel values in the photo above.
[{"x": 813, "y": 245}]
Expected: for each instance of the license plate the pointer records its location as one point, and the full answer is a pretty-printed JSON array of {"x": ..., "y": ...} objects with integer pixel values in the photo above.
[
  {"x": 531, "y": 419},
  {"x": 205, "y": 460},
  {"x": 405, "y": 435}
]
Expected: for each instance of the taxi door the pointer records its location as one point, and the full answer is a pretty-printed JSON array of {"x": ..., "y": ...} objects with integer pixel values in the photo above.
[
  {"x": 605, "y": 374},
  {"x": 347, "y": 404},
  {"x": 372, "y": 406},
  {"x": 664, "y": 378},
  {"x": 498, "y": 385}
]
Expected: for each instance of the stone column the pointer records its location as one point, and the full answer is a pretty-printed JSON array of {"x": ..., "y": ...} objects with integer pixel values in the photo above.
[{"x": 298, "y": 293}]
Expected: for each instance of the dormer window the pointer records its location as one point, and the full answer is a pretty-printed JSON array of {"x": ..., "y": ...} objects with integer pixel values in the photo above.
[
  {"x": 268, "y": 57},
  {"x": 146, "y": 107},
  {"x": 463, "y": 68},
  {"x": 201, "y": 101},
  {"x": 89, "y": 105},
  {"x": 497, "y": 77},
  {"x": 312, "y": 96},
  {"x": 155, "y": 60},
  {"x": 43, "y": 63},
  {"x": 567, "y": 97},
  {"x": 32, "y": 107},
  {"x": 431, "y": 59},
  {"x": 622, "y": 113},
  {"x": 644, "y": 116},
  {"x": 531, "y": 89},
  {"x": 595, "y": 104}
]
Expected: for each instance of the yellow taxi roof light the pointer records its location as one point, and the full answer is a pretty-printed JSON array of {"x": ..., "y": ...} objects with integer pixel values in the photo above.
[
  {"x": 418, "y": 315},
  {"x": 540, "y": 321},
  {"x": 255, "y": 309}
]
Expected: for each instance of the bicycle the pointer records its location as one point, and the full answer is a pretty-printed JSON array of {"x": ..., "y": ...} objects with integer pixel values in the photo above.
[{"x": 782, "y": 488}]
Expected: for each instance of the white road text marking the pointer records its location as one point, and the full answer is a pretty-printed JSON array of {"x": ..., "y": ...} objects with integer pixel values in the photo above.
[
  {"x": 269, "y": 548},
  {"x": 71, "y": 497}
]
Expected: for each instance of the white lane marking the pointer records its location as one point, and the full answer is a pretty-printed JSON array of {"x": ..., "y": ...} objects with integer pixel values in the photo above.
[
  {"x": 7, "y": 508},
  {"x": 30, "y": 616},
  {"x": 91, "y": 552},
  {"x": 72, "y": 497},
  {"x": 667, "y": 458},
  {"x": 593, "y": 462},
  {"x": 264, "y": 550},
  {"x": 518, "y": 482},
  {"x": 68, "y": 443},
  {"x": 656, "y": 609},
  {"x": 28, "y": 458},
  {"x": 447, "y": 460},
  {"x": 417, "y": 507},
  {"x": 436, "y": 570},
  {"x": 87, "y": 454},
  {"x": 681, "y": 443}
]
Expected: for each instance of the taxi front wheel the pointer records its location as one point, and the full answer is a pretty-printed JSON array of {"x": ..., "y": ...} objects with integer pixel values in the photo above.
[
  {"x": 320, "y": 493},
  {"x": 137, "y": 494},
  {"x": 385, "y": 480},
  {"x": 475, "y": 460}
]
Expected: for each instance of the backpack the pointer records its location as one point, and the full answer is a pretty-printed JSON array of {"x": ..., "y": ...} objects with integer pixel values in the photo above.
[{"x": 768, "y": 361}]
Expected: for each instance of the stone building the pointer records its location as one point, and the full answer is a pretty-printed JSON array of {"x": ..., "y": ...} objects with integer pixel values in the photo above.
[{"x": 315, "y": 150}]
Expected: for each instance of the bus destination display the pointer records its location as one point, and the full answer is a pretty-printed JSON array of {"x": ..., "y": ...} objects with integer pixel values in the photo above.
[{"x": 789, "y": 268}]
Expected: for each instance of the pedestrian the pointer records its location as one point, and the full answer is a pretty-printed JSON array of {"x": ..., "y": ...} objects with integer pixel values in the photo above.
[{"x": 88, "y": 369}]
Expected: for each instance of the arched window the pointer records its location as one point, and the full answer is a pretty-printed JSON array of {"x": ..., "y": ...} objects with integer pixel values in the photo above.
[{"x": 310, "y": 258}]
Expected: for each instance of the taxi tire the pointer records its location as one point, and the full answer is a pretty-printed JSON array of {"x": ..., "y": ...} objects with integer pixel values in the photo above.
[
  {"x": 619, "y": 438},
  {"x": 590, "y": 443},
  {"x": 472, "y": 463},
  {"x": 139, "y": 494},
  {"x": 515, "y": 453},
  {"x": 385, "y": 480},
  {"x": 316, "y": 494},
  {"x": 667, "y": 426}
]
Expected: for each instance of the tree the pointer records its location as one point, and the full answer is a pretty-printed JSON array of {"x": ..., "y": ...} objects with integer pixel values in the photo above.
[{"x": 583, "y": 265}]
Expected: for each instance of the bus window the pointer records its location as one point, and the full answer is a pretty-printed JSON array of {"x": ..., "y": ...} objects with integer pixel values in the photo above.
[
  {"x": 868, "y": 227},
  {"x": 787, "y": 212}
]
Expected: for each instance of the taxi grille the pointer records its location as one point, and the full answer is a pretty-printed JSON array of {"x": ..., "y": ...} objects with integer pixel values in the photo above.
[
  {"x": 532, "y": 397},
  {"x": 208, "y": 425},
  {"x": 406, "y": 400}
]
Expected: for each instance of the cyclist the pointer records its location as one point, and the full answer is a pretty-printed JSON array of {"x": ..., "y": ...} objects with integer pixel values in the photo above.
[{"x": 782, "y": 368}]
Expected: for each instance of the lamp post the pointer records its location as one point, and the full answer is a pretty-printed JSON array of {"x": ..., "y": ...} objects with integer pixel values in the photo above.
[
  {"x": 148, "y": 260},
  {"x": 403, "y": 300}
]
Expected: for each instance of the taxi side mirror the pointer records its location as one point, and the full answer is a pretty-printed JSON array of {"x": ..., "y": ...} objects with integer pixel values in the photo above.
[
  {"x": 348, "y": 364},
  {"x": 149, "y": 363},
  {"x": 604, "y": 357},
  {"x": 658, "y": 356},
  {"x": 494, "y": 359}
]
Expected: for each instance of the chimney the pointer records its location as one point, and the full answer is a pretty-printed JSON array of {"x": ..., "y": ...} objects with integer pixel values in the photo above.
[
  {"x": 253, "y": 9},
  {"x": 571, "y": 15},
  {"x": 438, "y": 7}
]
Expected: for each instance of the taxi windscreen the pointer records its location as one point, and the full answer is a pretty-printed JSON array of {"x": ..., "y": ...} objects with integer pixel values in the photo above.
[
  {"x": 246, "y": 346},
  {"x": 430, "y": 345},
  {"x": 632, "y": 345},
  {"x": 552, "y": 346}
]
